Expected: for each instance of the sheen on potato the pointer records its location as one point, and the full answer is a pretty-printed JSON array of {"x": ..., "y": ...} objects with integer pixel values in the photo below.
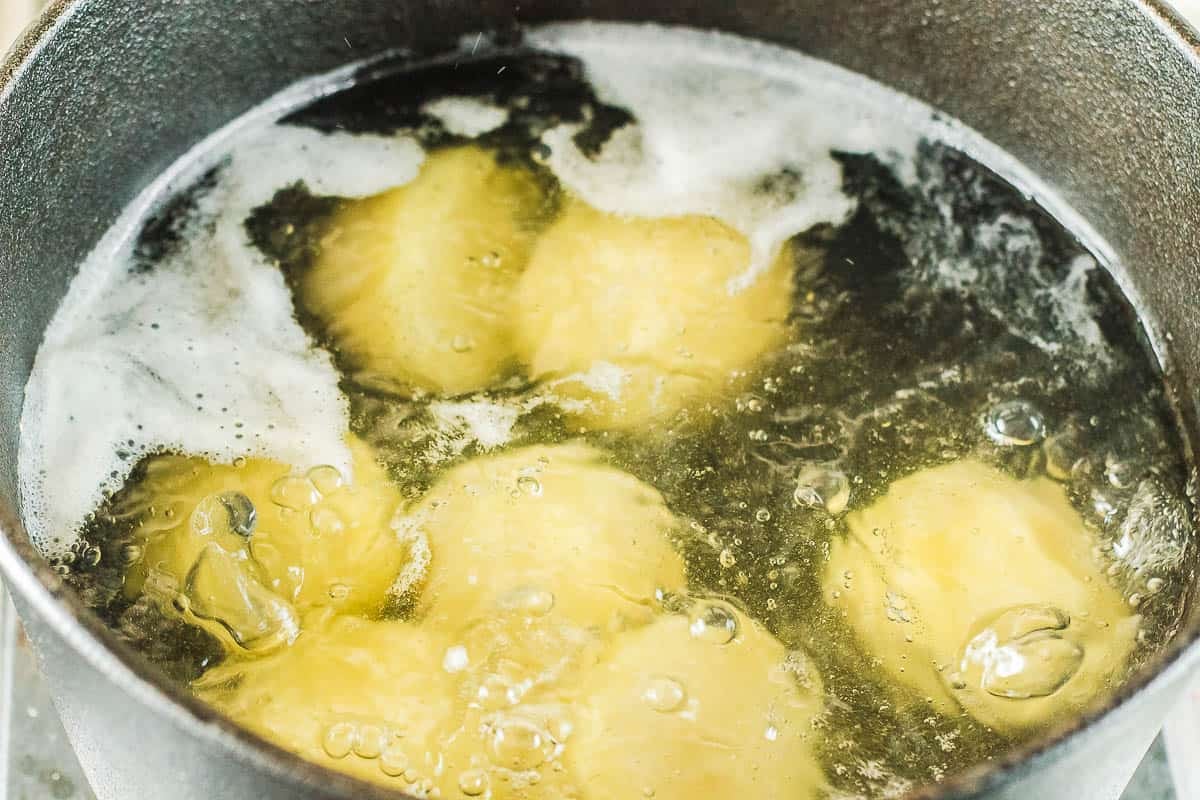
[
  {"x": 367, "y": 698},
  {"x": 414, "y": 286},
  {"x": 675, "y": 714},
  {"x": 256, "y": 537},
  {"x": 545, "y": 526},
  {"x": 974, "y": 588},
  {"x": 628, "y": 320}
]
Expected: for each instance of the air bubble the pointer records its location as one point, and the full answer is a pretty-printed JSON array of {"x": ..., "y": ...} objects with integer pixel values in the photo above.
[
  {"x": 339, "y": 739},
  {"x": 491, "y": 260},
  {"x": 520, "y": 745},
  {"x": 294, "y": 493},
  {"x": 714, "y": 622},
  {"x": 664, "y": 694},
  {"x": 1024, "y": 652},
  {"x": 326, "y": 479},
  {"x": 369, "y": 744},
  {"x": 1120, "y": 474},
  {"x": 822, "y": 487},
  {"x": 473, "y": 782},
  {"x": 749, "y": 404},
  {"x": 393, "y": 761},
  {"x": 762, "y": 515},
  {"x": 91, "y": 556},
  {"x": 242, "y": 515},
  {"x": 1014, "y": 424},
  {"x": 220, "y": 589}
]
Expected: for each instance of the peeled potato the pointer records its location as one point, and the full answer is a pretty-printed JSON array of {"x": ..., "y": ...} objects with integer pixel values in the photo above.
[
  {"x": 414, "y": 286},
  {"x": 367, "y": 698},
  {"x": 252, "y": 535},
  {"x": 674, "y": 714},
  {"x": 400, "y": 705},
  {"x": 545, "y": 527},
  {"x": 629, "y": 320},
  {"x": 974, "y": 588}
]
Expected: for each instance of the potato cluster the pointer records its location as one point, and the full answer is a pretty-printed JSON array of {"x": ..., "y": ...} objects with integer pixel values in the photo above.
[
  {"x": 539, "y": 654},
  {"x": 463, "y": 277},
  {"x": 539, "y": 659}
]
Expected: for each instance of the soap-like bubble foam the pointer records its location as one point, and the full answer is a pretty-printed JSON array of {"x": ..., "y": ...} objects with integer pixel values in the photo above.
[
  {"x": 199, "y": 352},
  {"x": 725, "y": 128},
  {"x": 466, "y": 116}
]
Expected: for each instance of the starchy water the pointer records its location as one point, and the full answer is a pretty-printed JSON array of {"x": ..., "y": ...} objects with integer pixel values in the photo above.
[{"x": 862, "y": 475}]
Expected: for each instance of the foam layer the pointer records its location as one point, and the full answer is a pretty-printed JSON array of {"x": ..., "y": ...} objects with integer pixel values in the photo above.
[
  {"x": 725, "y": 127},
  {"x": 201, "y": 353},
  {"x": 466, "y": 116}
]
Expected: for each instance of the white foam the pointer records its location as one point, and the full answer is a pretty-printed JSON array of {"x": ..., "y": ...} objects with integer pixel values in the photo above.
[
  {"x": 716, "y": 115},
  {"x": 202, "y": 354},
  {"x": 467, "y": 116},
  {"x": 486, "y": 423},
  {"x": 332, "y": 164}
]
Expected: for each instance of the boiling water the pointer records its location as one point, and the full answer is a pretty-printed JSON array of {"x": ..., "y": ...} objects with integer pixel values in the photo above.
[{"x": 940, "y": 314}]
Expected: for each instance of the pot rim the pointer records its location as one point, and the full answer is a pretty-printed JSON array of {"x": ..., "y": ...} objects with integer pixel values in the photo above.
[{"x": 26, "y": 573}]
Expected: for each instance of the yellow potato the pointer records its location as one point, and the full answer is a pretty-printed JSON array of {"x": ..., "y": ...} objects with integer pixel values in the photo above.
[
  {"x": 974, "y": 588},
  {"x": 403, "y": 706},
  {"x": 545, "y": 527},
  {"x": 367, "y": 698},
  {"x": 676, "y": 716},
  {"x": 630, "y": 320},
  {"x": 414, "y": 286},
  {"x": 307, "y": 539}
]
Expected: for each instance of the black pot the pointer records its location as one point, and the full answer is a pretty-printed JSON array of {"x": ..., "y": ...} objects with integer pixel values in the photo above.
[{"x": 1100, "y": 97}]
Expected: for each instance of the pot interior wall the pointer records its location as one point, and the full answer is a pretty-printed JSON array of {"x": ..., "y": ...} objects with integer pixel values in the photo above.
[{"x": 1088, "y": 93}]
